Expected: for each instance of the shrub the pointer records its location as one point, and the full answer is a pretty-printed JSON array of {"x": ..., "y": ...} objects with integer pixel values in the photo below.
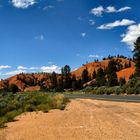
[
  {"x": 88, "y": 89},
  {"x": 45, "y": 108},
  {"x": 118, "y": 90},
  {"x": 13, "y": 105},
  {"x": 29, "y": 108},
  {"x": 11, "y": 115},
  {"x": 100, "y": 90},
  {"x": 130, "y": 90}
]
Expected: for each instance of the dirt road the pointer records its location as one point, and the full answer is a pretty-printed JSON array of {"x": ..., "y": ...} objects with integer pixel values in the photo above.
[{"x": 83, "y": 119}]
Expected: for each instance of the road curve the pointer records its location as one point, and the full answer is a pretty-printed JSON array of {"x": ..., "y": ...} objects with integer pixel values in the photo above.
[{"x": 119, "y": 98}]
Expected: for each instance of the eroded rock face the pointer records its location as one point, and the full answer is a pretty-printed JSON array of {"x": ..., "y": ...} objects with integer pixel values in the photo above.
[
  {"x": 103, "y": 64},
  {"x": 28, "y": 82}
]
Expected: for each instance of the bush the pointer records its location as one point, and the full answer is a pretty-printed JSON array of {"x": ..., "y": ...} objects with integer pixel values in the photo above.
[
  {"x": 132, "y": 82},
  {"x": 11, "y": 115},
  {"x": 118, "y": 91},
  {"x": 29, "y": 108},
  {"x": 88, "y": 89},
  {"x": 13, "y": 105},
  {"x": 100, "y": 90},
  {"x": 45, "y": 108},
  {"x": 131, "y": 90}
]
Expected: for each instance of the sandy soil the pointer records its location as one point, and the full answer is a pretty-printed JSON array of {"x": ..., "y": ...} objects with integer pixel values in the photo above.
[{"x": 83, "y": 119}]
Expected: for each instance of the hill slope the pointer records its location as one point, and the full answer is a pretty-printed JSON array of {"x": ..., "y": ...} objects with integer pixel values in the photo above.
[
  {"x": 126, "y": 72},
  {"x": 32, "y": 82}
]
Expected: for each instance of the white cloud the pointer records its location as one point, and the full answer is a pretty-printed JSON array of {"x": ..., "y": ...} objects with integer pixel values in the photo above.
[
  {"x": 26, "y": 68},
  {"x": 50, "y": 69},
  {"x": 124, "y": 9},
  {"x": 21, "y": 68},
  {"x": 131, "y": 35},
  {"x": 123, "y": 22},
  {"x": 48, "y": 7},
  {"x": 4, "y": 67},
  {"x": 40, "y": 37},
  {"x": 33, "y": 68},
  {"x": 14, "y": 72},
  {"x": 112, "y": 9},
  {"x": 91, "y": 22},
  {"x": 50, "y": 62},
  {"x": 23, "y": 3},
  {"x": 83, "y": 34},
  {"x": 93, "y": 56},
  {"x": 80, "y": 56},
  {"x": 98, "y": 11}
]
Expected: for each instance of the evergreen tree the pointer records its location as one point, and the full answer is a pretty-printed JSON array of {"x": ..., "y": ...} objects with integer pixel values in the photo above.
[
  {"x": 100, "y": 77},
  {"x": 122, "y": 81},
  {"x": 85, "y": 77},
  {"x": 14, "y": 88},
  {"x": 60, "y": 84},
  {"x": 112, "y": 76},
  {"x": 79, "y": 84},
  {"x": 129, "y": 64},
  {"x": 126, "y": 65},
  {"x": 5, "y": 85},
  {"x": 66, "y": 70},
  {"x": 74, "y": 82},
  {"x": 136, "y": 56},
  {"x": 54, "y": 80},
  {"x": 66, "y": 77},
  {"x": 131, "y": 76},
  {"x": 94, "y": 75},
  {"x": 119, "y": 66}
]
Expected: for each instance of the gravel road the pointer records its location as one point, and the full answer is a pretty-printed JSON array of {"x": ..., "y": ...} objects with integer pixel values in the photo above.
[{"x": 83, "y": 119}]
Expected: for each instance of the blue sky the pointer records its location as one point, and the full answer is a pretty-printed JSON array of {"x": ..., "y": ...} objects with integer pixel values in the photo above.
[{"x": 45, "y": 35}]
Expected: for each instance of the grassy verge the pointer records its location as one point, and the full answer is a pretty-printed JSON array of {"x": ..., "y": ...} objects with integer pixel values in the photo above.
[{"x": 12, "y": 105}]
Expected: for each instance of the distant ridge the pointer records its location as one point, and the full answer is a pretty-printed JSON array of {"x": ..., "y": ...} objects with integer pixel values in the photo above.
[{"x": 44, "y": 78}]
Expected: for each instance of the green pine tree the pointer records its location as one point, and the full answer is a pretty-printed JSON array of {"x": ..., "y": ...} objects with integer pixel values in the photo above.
[
  {"x": 136, "y": 56},
  {"x": 100, "y": 77},
  {"x": 122, "y": 81},
  {"x": 85, "y": 77},
  {"x": 94, "y": 75},
  {"x": 74, "y": 82},
  {"x": 112, "y": 76},
  {"x": 54, "y": 80},
  {"x": 67, "y": 83}
]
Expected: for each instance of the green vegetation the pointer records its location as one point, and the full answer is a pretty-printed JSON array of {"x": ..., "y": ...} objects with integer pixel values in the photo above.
[
  {"x": 12, "y": 105},
  {"x": 85, "y": 76},
  {"x": 111, "y": 74},
  {"x": 137, "y": 56},
  {"x": 100, "y": 77}
]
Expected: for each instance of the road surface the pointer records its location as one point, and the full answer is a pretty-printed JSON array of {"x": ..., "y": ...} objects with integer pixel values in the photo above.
[
  {"x": 119, "y": 98},
  {"x": 83, "y": 119}
]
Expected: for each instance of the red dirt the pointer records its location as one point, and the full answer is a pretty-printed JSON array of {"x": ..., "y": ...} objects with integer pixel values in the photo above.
[{"x": 126, "y": 73}]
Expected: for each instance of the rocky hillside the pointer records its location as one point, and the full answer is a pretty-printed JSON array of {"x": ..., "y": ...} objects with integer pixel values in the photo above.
[
  {"x": 31, "y": 82},
  {"x": 124, "y": 72}
]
